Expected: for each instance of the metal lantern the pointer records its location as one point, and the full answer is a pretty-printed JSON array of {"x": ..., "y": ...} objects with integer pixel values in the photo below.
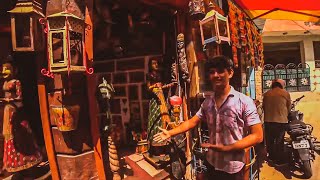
[
  {"x": 26, "y": 31},
  {"x": 65, "y": 40},
  {"x": 214, "y": 28}
]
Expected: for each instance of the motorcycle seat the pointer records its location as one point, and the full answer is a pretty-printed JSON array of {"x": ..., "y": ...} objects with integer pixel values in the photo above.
[{"x": 297, "y": 123}]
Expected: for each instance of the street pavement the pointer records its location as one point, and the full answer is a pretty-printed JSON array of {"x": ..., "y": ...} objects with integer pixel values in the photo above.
[{"x": 270, "y": 172}]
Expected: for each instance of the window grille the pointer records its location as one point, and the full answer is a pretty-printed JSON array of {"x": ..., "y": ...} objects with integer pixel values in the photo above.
[{"x": 297, "y": 78}]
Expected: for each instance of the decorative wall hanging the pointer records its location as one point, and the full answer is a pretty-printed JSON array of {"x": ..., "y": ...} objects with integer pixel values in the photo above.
[
  {"x": 66, "y": 117},
  {"x": 196, "y": 9},
  {"x": 214, "y": 28},
  {"x": 26, "y": 31},
  {"x": 182, "y": 57},
  {"x": 65, "y": 40}
]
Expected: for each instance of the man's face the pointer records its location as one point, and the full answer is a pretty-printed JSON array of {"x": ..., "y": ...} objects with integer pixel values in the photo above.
[{"x": 220, "y": 77}]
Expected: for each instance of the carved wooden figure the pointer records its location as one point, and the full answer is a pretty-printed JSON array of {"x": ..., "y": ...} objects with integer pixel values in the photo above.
[
  {"x": 104, "y": 94},
  {"x": 20, "y": 150}
]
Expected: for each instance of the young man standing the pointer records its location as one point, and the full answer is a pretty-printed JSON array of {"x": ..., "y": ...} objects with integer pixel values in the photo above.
[{"x": 229, "y": 115}]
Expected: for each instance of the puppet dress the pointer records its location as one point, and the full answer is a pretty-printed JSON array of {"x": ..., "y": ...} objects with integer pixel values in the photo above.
[
  {"x": 154, "y": 116},
  {"x": 20, "y": 149}
]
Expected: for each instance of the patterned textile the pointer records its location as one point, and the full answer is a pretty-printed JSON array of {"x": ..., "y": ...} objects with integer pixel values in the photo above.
[
  {"x": 227, "y": 125},
  {"x": 154, "y": 119},
  {"x": 16, "y": 161}
]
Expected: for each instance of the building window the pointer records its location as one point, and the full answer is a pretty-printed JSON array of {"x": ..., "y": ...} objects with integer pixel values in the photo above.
[
  {"x": 316, "y": 50},
  {"x": 282, "y": 53},
  {"x": 317, "y": 63}
]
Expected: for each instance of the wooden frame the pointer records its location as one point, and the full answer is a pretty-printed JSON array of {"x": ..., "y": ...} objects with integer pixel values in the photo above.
[
  {"x": 14, "y": 36},
  {"x": 66, "y": 65},
  {"x": 214, "y": 17},
  {"x": 64, "y": 46},
  {"x": 32, "y": 10}
]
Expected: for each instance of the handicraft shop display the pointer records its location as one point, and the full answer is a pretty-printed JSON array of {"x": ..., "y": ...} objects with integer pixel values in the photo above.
[
  {"x": 104, "y": 93},
  {"x": 182, "y": 58},
  {"x": 20, "y": 149},
  {"x": 247, "y": 47},
  {"x": 163, "y": 154}
]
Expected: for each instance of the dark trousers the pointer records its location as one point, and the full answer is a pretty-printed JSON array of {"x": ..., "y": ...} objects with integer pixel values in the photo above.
[
  {"x": 274, "y": 134},
  {"x": 212, "y": 174}
]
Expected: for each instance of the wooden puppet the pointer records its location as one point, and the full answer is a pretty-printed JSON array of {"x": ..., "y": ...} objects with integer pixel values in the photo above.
[
  {"x": 158, "y": 112},
  {"x": 20, "y": 149}
]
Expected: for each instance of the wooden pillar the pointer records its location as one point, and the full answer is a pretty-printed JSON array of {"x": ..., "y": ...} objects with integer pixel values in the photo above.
[
  {"x": 46, "y": 125},
  {"x": 92, "y": 81},
  {"x": 47, "y": 132}
]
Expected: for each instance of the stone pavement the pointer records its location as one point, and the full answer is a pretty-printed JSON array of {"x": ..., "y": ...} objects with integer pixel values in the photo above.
[{"x": 269, "y": 172}]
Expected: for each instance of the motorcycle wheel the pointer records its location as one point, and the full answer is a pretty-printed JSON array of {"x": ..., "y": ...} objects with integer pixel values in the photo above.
[{"x": 307, "y": 168}]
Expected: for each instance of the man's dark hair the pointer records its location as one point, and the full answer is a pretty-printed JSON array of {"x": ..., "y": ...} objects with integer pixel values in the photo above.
[
  {"x": 219, "y": 62},
  {"x": 276, "y": 84}
]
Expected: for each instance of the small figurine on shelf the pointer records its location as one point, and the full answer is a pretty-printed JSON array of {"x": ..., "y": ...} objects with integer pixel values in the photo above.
[{"x": 20, "y": 149}]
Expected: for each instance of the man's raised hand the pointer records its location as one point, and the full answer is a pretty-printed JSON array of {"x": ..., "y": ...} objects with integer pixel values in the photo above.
[{"x": 162, "y": 136}]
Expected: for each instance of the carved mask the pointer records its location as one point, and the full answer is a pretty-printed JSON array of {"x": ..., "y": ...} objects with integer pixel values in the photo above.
[{"x": 106, "y": 89}]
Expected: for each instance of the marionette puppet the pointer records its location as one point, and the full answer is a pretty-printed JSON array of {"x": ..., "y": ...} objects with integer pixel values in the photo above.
[
  {"x": 20, "y": 149},
  {"x": 153, "y": 84},
  {"x": 158, "y": 112}
]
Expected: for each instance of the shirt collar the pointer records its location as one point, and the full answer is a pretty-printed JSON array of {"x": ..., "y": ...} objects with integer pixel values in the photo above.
[{"x": 232, "y": 92}]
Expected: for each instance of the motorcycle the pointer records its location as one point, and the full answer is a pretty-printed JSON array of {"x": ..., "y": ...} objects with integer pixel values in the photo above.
[{"x": 301, "y": 141}]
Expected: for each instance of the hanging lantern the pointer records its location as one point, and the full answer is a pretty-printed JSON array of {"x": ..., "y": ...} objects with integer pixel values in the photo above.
[
  {"x": 26, "y": 31},
  {"x": 66, "y": 49},
  {"x": 196, "y": 9},
  {"x": 214, "y": 28}
]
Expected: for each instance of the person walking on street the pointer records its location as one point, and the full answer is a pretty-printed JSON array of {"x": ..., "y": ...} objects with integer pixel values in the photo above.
[
  {"x": 276, "y": 106},
  {"x": 229, "y": 114}
]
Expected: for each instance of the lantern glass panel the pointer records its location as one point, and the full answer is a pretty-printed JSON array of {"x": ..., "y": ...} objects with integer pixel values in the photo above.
[
  {"x": 22, "y": 30},
  {"x": 57, "y": 48},
  {"x": 223, "y": 31},
  {"x": 76, "y": 48},
  {"x": 209, "y": 31}
]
